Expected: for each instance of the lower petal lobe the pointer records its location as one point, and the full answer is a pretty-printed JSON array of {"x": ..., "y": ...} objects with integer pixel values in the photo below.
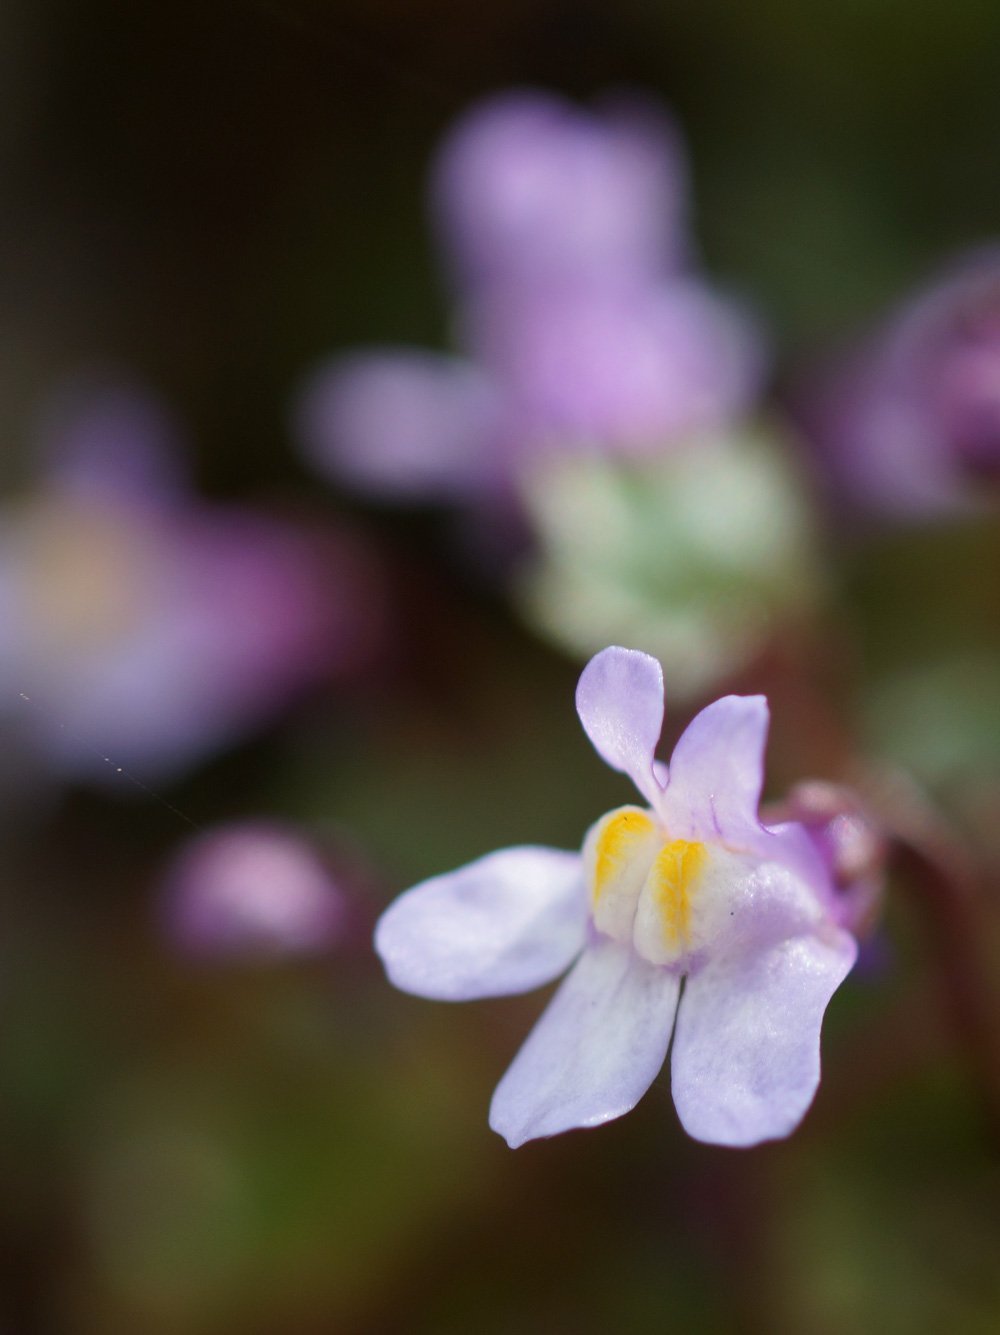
[
  {"x": 506, "y": 923},
  {"x": 745, "y": 1062},
  {"x": 595, "y": 1051}
]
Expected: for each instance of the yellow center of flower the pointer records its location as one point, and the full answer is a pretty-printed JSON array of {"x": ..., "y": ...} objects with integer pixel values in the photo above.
[
  {"x": 82, "y": 572},
  {"x": 646, "y": 888},
  {"x": 623, "y": 837},
  {"x": 671, "y": 882}
]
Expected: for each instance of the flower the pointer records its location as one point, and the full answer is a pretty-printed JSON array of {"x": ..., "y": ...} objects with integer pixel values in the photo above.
[
  {"x": 581, "y": 323},
  {"x": 691, "y": 889},
  {"x": 250, "y": 889},
  {"x": 146, "y": 627},
  {"x": 910, "y": 425}
]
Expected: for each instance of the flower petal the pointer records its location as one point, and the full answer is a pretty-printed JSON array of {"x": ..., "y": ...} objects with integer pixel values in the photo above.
[
  {"x": 745, "y": 1061},
  {"x": 529, "y": 188},
  {"x": 401, "y": 424},
  {"x": 505, "y": 923},
  {"x": 619, "y": 699},
  {"x": 595, "y": 1051},
  {"x": 634, "y": 366},
  {"x": 717, "y": 771},
  {"x": 790, "y": 845}
]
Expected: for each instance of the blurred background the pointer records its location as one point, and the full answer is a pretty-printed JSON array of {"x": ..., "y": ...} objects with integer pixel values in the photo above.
[{"x": 255, "y": 684}]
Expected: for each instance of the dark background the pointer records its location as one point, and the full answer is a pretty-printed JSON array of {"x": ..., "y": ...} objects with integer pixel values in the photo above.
[{"x": 212, "y": 198}]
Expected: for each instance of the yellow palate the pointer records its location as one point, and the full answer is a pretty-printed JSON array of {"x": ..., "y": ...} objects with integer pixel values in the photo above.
[
  {"x": 622, "y": 839},
  {"x": 671, "y": 882},
  {"x": 618, "y": 852},
  {"x": 644, "y": 886}
]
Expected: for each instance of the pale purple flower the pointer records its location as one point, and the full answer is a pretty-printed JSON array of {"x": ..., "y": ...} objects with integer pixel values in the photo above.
[
  {"x": 909, "y": 425},
  {"x": 149, "y": 628},
  {"x": 581, "y": 322},
  {"x": 688, "y": 889},
  {"x": 251, "y": 889}
]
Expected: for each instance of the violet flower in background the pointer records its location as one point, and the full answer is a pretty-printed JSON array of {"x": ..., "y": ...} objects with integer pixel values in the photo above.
[
  {"x": 582, "y": 322},
  {"x": 147, "y": 626},
  {"x": 690, "y": 889},
  {"x": 909, "y": 426},
  {"x": 251, "y": 889}
]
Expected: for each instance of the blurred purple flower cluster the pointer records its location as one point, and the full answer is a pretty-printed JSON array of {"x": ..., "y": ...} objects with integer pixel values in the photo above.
[
  {"x": 583, "y": 323},
  {"x": 908, "y": 425},
  {"x": 146, "y": 627}
]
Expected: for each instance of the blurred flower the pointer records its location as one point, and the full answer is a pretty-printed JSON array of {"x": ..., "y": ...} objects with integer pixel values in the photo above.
[
  {"x": 910, "y": 425},
  {"x": 851, "y": 844},
  {"x": 251, "y": 889},
  {"x": 693, "y": 890},
  {"x": 147, "y": 626},
  {"x": 696, "y": 556},
  {"x": 585, "y": 328}
]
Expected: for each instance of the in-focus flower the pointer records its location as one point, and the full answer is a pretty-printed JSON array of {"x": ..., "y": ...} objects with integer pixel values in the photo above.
[
  {"x": 148, "y": 626},
  {"x": 910, "y": 424},
  {"x": 684, "y": 918},
  {"x": 251, "y": 889},
  {"x": 584, "y": 326}
]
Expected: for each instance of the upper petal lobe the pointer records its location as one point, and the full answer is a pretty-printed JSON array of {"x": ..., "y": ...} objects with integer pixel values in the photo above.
[
  {"x": 717, "y": 771},
  {"x": 620, "y": 702}
]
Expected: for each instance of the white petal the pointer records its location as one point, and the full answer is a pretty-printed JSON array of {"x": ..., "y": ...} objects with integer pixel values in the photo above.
[
  {"x": 595, "y": 1051},
  {"x": 505, "y": 923},
  {"x": 745, "y": 1063}
]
